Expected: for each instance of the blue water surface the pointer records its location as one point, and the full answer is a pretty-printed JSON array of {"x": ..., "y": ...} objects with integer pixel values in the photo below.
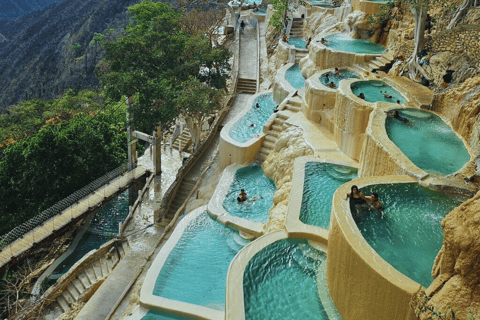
[
  {"x": 343, "y": 42},
  {"x": 294, "y": 76}
]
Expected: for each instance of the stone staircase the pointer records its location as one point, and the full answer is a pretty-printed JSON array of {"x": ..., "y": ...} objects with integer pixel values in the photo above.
[
  {"x": 248, "y": 86},
  {"x": 184, "y": 141},
  {"x": 297, "y": 28},
  {"x": 380, "y": 63},
  {"x": 180, "y": 197},
  {"x": 276, "y": 126},
  {"x": 300, "y": 54},
  {"x": 87, "y": 280}
]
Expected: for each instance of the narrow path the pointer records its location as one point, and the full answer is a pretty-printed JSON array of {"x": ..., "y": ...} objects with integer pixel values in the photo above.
[{"x": 248, "y": 52}]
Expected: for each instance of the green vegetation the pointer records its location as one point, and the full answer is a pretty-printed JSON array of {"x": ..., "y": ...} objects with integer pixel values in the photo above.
[
  {"x": 384, "y": 15},
  {"x": 154, "y": 59},
  {"x": 279, "y": 20},
  {"x": 28, "y": 117},
  {"x": 38, "y": 171}
]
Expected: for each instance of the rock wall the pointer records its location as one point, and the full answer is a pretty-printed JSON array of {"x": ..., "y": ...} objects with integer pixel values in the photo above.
[
  {"x": 456, "y": 270},
  {"x": 463, "y": 40},
  {"x": 279, "y": 167}
]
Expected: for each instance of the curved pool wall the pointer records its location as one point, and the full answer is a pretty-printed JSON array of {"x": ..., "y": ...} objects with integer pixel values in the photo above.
[
  {"x": 217, "y": 210},
  {"x": 428, "y": 142},
  {"x": 281, "y": 87},
  {"x": 320, "y": 99},
  {"x": 352, "y": 116},
  {"x": 286, "y": 53},
  {"x": 361, "y": 283},
  {"x": 326, "y": 58},
  {"x": 232, "y": 151},
  {"x": 372, "y": 89},
  {"x": 293, "y": 223},
  {"x": 380, "y": 156},
  {"x": 172, "y": 283},
  {"x": 235, "y": 303},
  {"x": 369, "y": 7},
  {"x": 294, "y": 77}
]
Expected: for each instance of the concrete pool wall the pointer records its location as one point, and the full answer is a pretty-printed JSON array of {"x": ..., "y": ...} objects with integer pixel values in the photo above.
[
  {"x": 361, "y": 283},
  {"x": 325, "y": 57},
  {"x": 320, "y": 100},
  {"x": 218, "y": 212},
  {"x": 281, "y": 87},
  {"x": 151, "y": 301},
  {"x": 293, "y": 225},
  {"x": 380, "y": 156},
  {"x": 231, "y": 151}
]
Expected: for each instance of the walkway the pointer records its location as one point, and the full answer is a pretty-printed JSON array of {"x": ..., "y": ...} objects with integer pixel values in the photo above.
[
  {"x": 73, "y": 212},
  {"x": 112, "y": 299}
]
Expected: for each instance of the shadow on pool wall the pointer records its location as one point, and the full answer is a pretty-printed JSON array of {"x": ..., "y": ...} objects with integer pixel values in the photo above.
[
  {"x": 361, "y": 283},
  {"x": 380, "y": 156}
]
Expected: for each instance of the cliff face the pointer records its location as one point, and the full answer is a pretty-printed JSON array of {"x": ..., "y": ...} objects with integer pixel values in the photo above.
[{"x": 36, "y": 56}]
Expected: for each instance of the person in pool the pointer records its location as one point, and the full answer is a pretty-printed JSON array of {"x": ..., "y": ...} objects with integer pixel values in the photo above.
[
  {"x": 242, "y": 196},
  {"x": 257, "y": 106},
  {"x": 252, "y": 125},
  {"x": 337, "y": 72},
  {"x": 361, "y": 95},
  {"x": 331, "y": 84},
  {"x": 397, "y": 116},
  {"x": 386, "y": 95},
  {"x": 375, "y": 205},
  {"x": 358, "y": 204},
  {"x": 323, "y": 41}
]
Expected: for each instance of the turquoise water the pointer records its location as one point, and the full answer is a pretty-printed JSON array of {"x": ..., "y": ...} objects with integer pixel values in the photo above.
[
  {"x": 428, "y": 142},
  {"x": 196, "y": 269},
  {"x": 247, "y": 2},
  {"x": 103, "y": 228},
  {"x": 410, "y": 235},
  {"x": 255, "y": 183},
  {"x": 323, "y": 4},
  {"x": 371, "y": 89},
  {"x": 328, "y": 77},
  {"x": 261, "y": 12},
  {"x": 241, "y": 131},
  {"x": 280, "y": 282},
  {"x": 294, "y": 76},
  {"x": 343, "y": 42},
  {"x": 298, "y": 42},
  {"x": 159, "y": 315},
  {"x": 320, "y": 183}
]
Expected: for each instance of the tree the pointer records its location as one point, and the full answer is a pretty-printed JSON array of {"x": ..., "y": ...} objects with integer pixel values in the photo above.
[
  {"x": 152, "y": 61},
  {"x": 196, "y": 102},
  {"x": 460, "y": 12},
  {"x": 279, "y": 20},
  {"x": 203, "y": 21}
]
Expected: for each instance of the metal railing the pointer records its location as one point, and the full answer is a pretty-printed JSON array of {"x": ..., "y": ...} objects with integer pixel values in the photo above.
[{"x": 21, "y": 230}]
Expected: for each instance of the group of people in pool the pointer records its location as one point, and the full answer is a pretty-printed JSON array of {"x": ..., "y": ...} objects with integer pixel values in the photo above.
[
  {"x": 361, "y": 206},
  {"x": 331, "y": 84}
]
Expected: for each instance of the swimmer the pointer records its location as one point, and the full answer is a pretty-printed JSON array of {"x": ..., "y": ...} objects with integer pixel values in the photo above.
[
  {"x": 242, "y": 196},
  {"x": 276, "y": 109},
  {"x": 251, "y": 125},
  {"x": 336, "y": 71},
  {"x": 323, "y": 41},
  {"x": 257, "y": 106},
  {"x": 327, "y": 77},
  {"x": 358, "y": 203},
  {"x": 386, "y": 95},
  {"x": 356, "y": 196},
  {"x": 331, "y": 84},
  {"x": 361, "y": 96},
  {"x": 308, "y": 42},
  {"x": 397, "y": 116},
  {"x": 398, "y": 101},
  {"x": 375, "y": 205}
]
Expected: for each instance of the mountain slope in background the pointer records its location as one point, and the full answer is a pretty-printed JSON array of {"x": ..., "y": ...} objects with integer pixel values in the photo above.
[
  {"x": 12, "y": 9},
  {"x": 37, "y": 59}
]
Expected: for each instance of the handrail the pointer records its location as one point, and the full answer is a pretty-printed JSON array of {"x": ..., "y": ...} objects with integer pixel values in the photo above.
[
  {"x": 258, "y": 55},
  {"x": 185, "y": 168}
]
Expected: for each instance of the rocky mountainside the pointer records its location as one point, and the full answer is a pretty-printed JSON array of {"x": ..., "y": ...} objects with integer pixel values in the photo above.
[
  {"x": 12, "y": 9},
  {"x": 36, "y": 55}
]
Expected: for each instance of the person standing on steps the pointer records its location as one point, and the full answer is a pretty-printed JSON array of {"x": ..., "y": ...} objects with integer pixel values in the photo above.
[{"x": 242, "y": 25}]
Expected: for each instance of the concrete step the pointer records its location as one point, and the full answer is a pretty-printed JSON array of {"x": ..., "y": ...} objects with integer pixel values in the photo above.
[
  {"x": 84, "y": 279},
  {"x": 383, "y": 60},
  {"x": 261, "y": 157},
  {"x": 277, "y": 128},
  {"x": 73, "y": 291},
  {"x": 282, "y": 116},
  {"x": 270, "y": 138},
  {"x": 296, "y": 101},
  {"x": 78, "y": 285},
  {"x": 293, "y": 108},
  {"x": 54, "y": 311},
  {"x": 388, "y": 56},
  {"x": 274, "y": 133},
  {"x": 265, "y": 151},
  {"x": 278, "y": 121},
  {"x": 91, "y": 274},
  {"x": 68, "y": 297},
  {"x": 269, "y": 145},
  {"x": 63, "y": 304}
]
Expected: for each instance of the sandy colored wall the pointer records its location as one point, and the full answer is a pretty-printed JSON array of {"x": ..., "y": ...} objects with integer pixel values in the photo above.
[
  {"x": 240, "y": 153},
  {"x": 363, "y": 285},
  {"x": 320, "y": 102},
  {"x": 325, "y": 58},
  {"x": 350, "y": 120},
  {"x": 366, "y": 6},
  {"x": 281, "y": 88}
]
